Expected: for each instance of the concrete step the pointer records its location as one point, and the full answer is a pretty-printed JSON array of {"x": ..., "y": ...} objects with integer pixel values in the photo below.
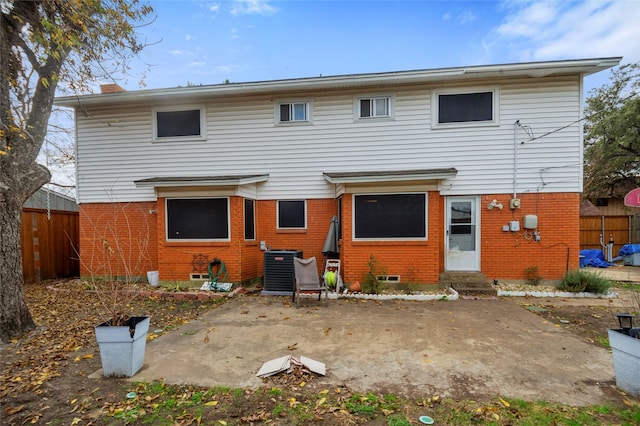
[
  {"x": 471, "y": 278},
  {"x": 468, "y": 283}
]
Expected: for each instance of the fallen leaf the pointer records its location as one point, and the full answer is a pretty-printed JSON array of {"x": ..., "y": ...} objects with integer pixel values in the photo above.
[
  {"x": 293, "y": 347},
  {"x": 505, "y": 403},
  {"x": 206, "y": 338},
  {"x": 211, "y": 403},
  {"x": 11, "y": 411}
]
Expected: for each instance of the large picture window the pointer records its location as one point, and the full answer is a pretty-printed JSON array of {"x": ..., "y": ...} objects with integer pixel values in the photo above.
[
  {"x": 292, "y": 214},
  {"x": 390, "y": 216},
  {"x": 198, "y": 219},
  {"x": 466, "y": 108},
  {"x": 249, "y": 219},
  {"x": 178, "y": 123}
]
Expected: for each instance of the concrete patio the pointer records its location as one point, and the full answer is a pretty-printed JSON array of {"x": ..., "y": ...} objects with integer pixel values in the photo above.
[{"x": 465, "y": 349}]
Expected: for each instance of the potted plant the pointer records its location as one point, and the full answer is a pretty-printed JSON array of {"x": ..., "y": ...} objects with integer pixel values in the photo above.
[
  {"x": 625, "y": 347},
  {"x": 115, "y": 270},
  {"x": 122, "y": 345}
]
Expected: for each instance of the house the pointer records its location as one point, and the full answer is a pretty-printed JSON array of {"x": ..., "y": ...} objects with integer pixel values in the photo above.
[
  {"x": 454, "y": 169},
  {"x": 50, "y": 236}
]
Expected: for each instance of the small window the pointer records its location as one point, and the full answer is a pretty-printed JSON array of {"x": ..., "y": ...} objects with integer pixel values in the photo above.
[
  {"x": 466, "y": 107},
  {"x": 292, "y": 214},
  {"x": 186, "y": 123},
  {"x": 293, "y": 112},
  {"x": 249, "y": 219},
  {"x": 374, "y": 107},
  {"x": 197, "y": 219},
  {"x": 390, "y": 216}
]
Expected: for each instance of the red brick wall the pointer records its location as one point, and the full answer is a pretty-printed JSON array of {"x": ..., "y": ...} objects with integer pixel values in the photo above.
[
  {"x": 414, "y": 261},
  {"x": 504, "y": 255},
  {"x": 118, "y": 239},
  {"x": 178, "y": 259},
  {"x": 309, "y": 240}
]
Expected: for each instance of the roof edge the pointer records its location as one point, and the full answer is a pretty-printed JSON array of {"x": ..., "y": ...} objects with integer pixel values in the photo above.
[{"x": 524, "y": 69}]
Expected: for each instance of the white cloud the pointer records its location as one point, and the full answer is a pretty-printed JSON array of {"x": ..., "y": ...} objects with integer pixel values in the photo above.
[
  {"x": 466, "y": 17},
  {"x": 214, "y": 7},
  {"x": 252, "y": 7},
  {"x": 446, "y": 16},
  {"x": 196, "y": 64},
  {"x": 188, "y": 37},
  {"x": 546, "y": 30}
]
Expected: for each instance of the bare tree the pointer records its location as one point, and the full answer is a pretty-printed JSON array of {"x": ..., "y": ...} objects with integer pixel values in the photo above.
[{"x": 47, "y": 45}]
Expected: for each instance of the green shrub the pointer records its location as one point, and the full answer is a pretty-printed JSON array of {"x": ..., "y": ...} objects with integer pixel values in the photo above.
[
  {"x": 370, "y": 283},
  {"x": 578, "y": 281}
]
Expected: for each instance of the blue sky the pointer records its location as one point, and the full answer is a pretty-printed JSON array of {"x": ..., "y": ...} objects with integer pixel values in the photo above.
[{"x": 208, "y": 42}]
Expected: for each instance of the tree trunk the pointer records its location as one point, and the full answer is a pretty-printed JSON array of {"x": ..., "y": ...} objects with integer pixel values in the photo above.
[{"x": 15, "y": 318}]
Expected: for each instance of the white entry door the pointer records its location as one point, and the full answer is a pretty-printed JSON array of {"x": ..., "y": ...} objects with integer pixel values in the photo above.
[{"x": 462, "y": 234}]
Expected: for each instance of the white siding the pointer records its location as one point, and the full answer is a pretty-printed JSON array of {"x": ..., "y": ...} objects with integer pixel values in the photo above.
[{"x": 115, "y": 145}]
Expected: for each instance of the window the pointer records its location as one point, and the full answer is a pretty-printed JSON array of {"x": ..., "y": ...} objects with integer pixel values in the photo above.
[
  {"x": 249, "y": 219},
  {"x": 197, "y": 219},
  {"x": 293, "y": 112},
  {"x": 374, "y": 107},
  {"x": 479, "y": 107},
  {"x": 292, "y": 214},
  {"x": 182, "y": 123},
  {"x": 391, "y": 216}
]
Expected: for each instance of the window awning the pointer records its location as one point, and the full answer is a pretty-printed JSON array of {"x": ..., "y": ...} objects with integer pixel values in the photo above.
[
  {"x": 390, "y": 176},
  {"x": 179, "y": 181}
]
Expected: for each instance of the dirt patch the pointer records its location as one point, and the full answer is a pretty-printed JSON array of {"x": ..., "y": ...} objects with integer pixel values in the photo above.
[{"x": 43, "y": 376}]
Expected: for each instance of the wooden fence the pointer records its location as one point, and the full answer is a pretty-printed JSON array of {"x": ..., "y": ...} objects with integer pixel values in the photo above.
[
  {"x": 623, "y": 230},
  {"x": 49, "y": 244}
]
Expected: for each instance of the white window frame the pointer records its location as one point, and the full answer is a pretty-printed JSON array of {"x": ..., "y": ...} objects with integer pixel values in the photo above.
[
  {"x": 177, "y": 240},
  {"x": 203, "y": 122},
  {"x": 278, "y": 215},
  {"x": 308, "y": 112},
  {"x": 390, "y": 106},
  {"x": 426, "y": 217},
  {"x": 435, "y": 107}
]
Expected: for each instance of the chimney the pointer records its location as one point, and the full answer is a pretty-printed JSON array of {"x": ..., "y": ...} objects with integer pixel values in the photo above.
[{"x": 111, "y": 88}]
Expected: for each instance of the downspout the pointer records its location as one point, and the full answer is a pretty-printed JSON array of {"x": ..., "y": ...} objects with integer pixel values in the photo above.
[{"x": 515, "y": 159}]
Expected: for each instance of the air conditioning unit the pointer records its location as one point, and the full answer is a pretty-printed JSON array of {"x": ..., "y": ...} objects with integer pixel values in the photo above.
[{"x": 279, "y": 273}]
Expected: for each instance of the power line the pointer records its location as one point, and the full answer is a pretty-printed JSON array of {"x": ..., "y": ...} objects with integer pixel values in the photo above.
[{"x": 578, "y": 121}]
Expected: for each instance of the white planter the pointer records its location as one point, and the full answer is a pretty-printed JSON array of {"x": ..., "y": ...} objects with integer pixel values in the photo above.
[
  {"x": 121, "y": 353},
  {"x": 626, "y": 361}
]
